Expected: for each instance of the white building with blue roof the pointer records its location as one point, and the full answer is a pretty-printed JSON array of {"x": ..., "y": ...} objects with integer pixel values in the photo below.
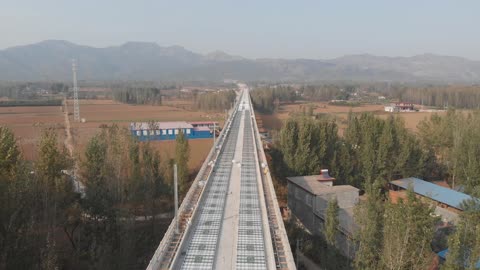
[{"x": 161, "y": 131}]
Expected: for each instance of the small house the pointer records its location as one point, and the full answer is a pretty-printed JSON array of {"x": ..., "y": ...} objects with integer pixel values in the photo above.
[
  {"x": 308, "y": 198},
  {"x": 160, "y": 131}
]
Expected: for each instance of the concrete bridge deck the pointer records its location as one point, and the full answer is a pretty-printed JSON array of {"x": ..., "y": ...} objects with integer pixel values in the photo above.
[{"x": 230, "y": 217}]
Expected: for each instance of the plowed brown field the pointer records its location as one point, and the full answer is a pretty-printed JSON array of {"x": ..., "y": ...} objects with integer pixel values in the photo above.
[
  {"x": 28, "y": 122},
  {"x": 339, "y": 113}
]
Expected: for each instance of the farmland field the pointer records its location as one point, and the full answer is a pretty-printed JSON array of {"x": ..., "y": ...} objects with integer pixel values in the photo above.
[
  {"x": 339, "y": 113},
  {"x": 28, "y": 122}
]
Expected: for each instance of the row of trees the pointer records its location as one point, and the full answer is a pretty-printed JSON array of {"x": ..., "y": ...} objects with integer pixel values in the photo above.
[
  {"x": 455, "y": 139},
  {"x": 399, "y": 235},
  {"x": 31, "y": 103},
  {"x": 393, "y": 235},
  {"x": 377, "y": 149},
  {"x": 268, "y": 99},
  {"x": 138, "y": 95},
  {"x": 371, "y": 152},
  {"x": 215, "y": 101},
  {"x": 30, "y": 90},
  {"x": 371, "y": 149},
  {"x": 307, "y": 145},
  {"x": 440, "y": 96},
  {"x": 457, "y": 96},
  {"x": 326, "y": 92},
  {"x": 45, "y": 225},
  {"x": 34, "y": 202},
  {"x": 464, "y": 243}
]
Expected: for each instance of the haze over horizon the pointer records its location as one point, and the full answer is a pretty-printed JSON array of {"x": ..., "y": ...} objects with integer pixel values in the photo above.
[
  {"x": 219, "y": 50},
  {"x": 267, "y": 29}
]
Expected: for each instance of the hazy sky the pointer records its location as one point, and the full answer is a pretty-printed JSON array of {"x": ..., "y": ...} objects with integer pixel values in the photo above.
[{"x": 262, "y": 28}]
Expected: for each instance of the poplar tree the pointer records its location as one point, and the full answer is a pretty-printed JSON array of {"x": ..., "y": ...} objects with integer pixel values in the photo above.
[
  {"x": 464, "y": 243},
  {"x": 343, "y": 165},
  {"x": 137, "y": 185},
  {"x": 408, "y": 231},
  {"x": 182, "y": 152},
  {"x": 369, "y": 217},
  {"x": 9, "y": 154},
  {"x": 99, "y": 200},
  {"x": 54, "y": 190},
  {"x": 331, "y": 222},
  {"x": 306, "y": 155},
  {"x": 385, "y": 151},
  {"x": 15, "y": 204},
  {"x": 54, "y": 186},
  {"x": 151, "y": 179},
  {"x": 215, "y": 101},
  {"x": 289, "y": 143},
  {"x": 327, "y": 142}
]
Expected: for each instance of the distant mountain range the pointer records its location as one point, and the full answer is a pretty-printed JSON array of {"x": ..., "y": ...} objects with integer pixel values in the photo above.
[{"x": 51, "y": 60}]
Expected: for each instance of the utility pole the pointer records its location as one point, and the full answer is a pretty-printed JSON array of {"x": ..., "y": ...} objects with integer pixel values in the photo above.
[
  {"x": 76, "y": 107},
  {"x": 175, "y": 192}
]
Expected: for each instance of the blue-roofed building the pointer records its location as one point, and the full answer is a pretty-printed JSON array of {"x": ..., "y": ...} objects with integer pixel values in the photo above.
[
  {"x": 443, "y": 195},
  {"x": 443, "y": 255},
  {"x": 448, "y": 202},
  {"x": 161, "y": 131}
]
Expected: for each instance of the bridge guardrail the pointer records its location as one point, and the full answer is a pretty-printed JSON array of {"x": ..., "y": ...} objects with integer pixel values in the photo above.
[
  {"x": 159, "y": 256},
  {"x": 268, "y": 184}
]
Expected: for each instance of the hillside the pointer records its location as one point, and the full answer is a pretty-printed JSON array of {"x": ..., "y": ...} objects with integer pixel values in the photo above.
[{"x": 50, "y": 60}]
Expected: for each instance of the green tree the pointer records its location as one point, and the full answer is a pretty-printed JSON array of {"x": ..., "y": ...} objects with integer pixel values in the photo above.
[
  {"x": 9, "y": 153},
  {"x": 369, "y": 217},
  {"x": 55, "y": 187},
  {"x": 54, "y": 190},
  {"x": 307, "y": 151},
  {"x": 137, "y": 183},
  {"x": 267, "y": 99},
  {"x": 219, "y": 101},
  {"x": 99, "y": 200},
  {"x": 152, "y": 180},
  {"x": 453, "y": 139},
  {"x": 331, "y": 222},
  {"x": 182, "y": 152},
  {"x": 307, "y": 145},
  {"x": 16, "y": 206},
  {"x": 288, "y": 142},
  {"x": 464, "y": 243},
  {"x": 408, "y": 231},
  {"x": 386, "y": 150},
  {"x": 343, "y": 165}
]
